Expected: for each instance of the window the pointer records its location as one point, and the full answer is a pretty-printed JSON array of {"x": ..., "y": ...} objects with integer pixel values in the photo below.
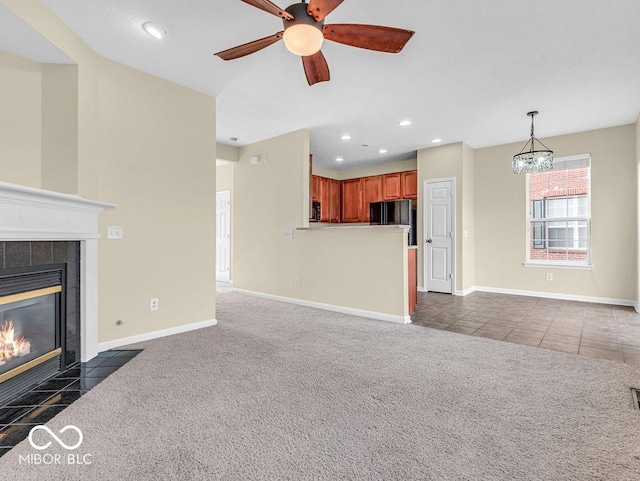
[{"x": 559, "y": 213}]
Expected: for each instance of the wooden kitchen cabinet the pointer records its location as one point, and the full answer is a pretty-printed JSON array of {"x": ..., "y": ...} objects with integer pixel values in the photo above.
[
  {"x": 413, "y": 280},
  {"x": 334, "y": 200},
  {"x": 324, "y": 199},
  {"x": 372, "y": 192},
  {"x": 409, "y": 183},
  {"x": 351, "y": 210},
  {"x": 315, "y": 188},
  {"x": 392, "y": 186}
]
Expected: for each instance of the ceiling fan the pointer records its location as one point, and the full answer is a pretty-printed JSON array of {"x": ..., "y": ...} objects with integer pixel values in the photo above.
[{"x": 304, "y": 32}]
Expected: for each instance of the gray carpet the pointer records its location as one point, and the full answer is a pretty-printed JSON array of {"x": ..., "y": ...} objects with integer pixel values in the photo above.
[{"x": 281, "y": 392}]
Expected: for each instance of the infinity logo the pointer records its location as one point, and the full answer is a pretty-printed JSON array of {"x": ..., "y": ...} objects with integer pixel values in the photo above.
[{"x": 53, "y": 435}]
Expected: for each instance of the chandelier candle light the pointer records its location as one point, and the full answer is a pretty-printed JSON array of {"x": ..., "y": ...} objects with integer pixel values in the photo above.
[{"x": 532, "y": 160}]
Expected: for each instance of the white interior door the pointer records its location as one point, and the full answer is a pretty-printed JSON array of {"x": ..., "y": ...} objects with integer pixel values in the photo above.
[
  {"x": 438, "y": 246},
  {"x": 223, "y": 236}
]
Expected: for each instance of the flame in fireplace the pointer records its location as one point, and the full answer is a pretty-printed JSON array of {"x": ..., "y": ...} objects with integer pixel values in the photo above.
[{"x": 9, "y": 347}]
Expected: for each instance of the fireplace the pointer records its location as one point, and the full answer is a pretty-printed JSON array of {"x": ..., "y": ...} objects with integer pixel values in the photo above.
[
  {"x": 39, "y": 312},
  {"x": 47, "y": 233}
]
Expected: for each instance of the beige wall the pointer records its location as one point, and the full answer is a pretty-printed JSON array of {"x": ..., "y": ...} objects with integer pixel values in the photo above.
[
  {"x": 267, "y": 201},
  {"x": 227, "y": 152},
  {"x": 224, "y": 177},
  {"x": 366, "y": 171},
  {"x": 149, "y": 146},
  {"x": 20, "y": 120},
  {"x": 500, "y": 218},
  {"x": 60, "y": 128},
  {"x": 44, "y": 22},
  {"x": 452, "y": 160},
  {"x": 638, "y": 210},
  {"x": 357, "y": 268},
  {"x": 156, "y": 152},
  {"x": 361, "y": 269},
  {"x": 466, "y": 233}
]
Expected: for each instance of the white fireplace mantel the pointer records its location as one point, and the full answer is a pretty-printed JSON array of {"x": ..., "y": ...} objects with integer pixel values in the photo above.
[{"x": 30, "y": 214}]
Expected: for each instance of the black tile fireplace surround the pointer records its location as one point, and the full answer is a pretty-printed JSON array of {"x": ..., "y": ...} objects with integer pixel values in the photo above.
[{"x": 53, "y": 319}]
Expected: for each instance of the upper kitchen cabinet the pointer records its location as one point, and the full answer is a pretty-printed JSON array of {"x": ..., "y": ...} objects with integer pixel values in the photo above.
[
  {"x": 315, "y": 188},
  {"x": 324, "y": 199},
  {"x": 334, "y": 200},
  {"x": 348, "y": 200},
  {"x": 392, "y": 186},
  {"x": 409, "y": 183},
  {"x": 351, "y": 200},
  {"x": 372, "y": 193}
]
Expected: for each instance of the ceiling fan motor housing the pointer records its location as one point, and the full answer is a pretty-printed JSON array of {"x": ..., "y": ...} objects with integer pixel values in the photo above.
[{"x": 300, "y": 16}]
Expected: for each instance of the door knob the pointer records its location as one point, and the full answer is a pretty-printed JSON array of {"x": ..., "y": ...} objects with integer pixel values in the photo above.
[{"x": 429, "y": 241}]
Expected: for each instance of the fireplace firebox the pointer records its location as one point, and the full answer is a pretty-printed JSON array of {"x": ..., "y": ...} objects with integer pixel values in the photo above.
[
  {"x": 29, "y": 329},
  {"x": 39, "y": 315}
]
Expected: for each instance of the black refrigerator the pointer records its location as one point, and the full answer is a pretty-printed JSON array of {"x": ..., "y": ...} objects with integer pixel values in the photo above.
[{"x": 395, "y": 212}]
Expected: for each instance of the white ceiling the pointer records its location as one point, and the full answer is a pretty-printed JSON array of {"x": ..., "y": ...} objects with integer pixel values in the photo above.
[{"x": 470, "y": 73}]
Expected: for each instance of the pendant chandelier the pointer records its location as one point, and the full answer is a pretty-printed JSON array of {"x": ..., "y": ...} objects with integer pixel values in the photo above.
[{"x": 532, "y": 160}]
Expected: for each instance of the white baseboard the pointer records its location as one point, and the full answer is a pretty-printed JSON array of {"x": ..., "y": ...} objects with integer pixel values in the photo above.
[
  {"x": 553, "y": 295},
  {"x": 421, "y": 289},
  {"x": 465, "y": 292},
  {"x": 636, "y": 306},
  {"x": 330, "y": 307},
  {"x": 105, "y": 346}
]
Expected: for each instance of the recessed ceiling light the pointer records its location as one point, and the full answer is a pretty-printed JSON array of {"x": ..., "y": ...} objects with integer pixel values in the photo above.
[
  {"x": 404, "y": 123},
  {"x": 436, "y": 141},
  {"x": 382, "y": 151},
  {"x": 346, "y": 137},
  {"x": 339, "y": 159},
  {"x": 155, "y": 30}
]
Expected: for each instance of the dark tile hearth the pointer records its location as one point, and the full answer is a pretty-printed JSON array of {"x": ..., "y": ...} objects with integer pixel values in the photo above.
[{"x": 52, "y": 396}]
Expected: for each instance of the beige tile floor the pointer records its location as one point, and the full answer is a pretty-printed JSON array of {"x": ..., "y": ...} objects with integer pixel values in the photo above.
[{"x": 595, "y": 330}]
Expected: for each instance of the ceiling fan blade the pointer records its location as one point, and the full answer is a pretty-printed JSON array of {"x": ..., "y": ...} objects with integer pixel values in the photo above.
[
  {"x": 319, "y": 9},
  {"x": 270, "y": 7},
  {"x": 248, "y": 48},
  {"x": 316, "y": 68},
  {"x": 371, "y": 37}
]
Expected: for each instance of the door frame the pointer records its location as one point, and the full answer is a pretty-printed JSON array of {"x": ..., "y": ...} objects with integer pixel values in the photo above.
[
  {"x": 228, "y": 195},
  {"x": 453, "y": 230}
]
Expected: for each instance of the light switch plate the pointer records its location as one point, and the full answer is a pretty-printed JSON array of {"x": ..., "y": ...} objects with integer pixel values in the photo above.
[{"x": 114, "y": 232}]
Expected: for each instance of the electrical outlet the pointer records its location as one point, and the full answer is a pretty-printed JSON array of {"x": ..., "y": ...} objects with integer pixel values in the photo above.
[
  {"x": 549, "y": 276},
  {"x": 153, "y": 304},
  {"x": 297, "y": 281},
  {"x": 288, "y": 234}
]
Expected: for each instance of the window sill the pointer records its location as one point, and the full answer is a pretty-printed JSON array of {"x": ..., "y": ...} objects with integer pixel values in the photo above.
[{"x": 558, "y": 265}]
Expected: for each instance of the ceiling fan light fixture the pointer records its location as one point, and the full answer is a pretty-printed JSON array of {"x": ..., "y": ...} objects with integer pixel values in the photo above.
[{"x": 303, "y": 39}]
